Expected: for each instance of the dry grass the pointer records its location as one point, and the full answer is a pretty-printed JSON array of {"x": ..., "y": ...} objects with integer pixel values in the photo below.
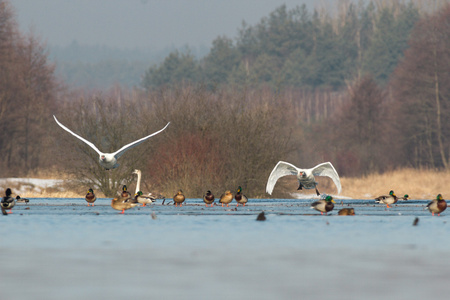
[{"x": 418, "y": 184}]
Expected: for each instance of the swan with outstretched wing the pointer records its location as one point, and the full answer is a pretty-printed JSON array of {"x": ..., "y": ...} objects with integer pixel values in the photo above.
[
  {"x": 305, "y": 177},
  {"x": 109, "y": 160}
]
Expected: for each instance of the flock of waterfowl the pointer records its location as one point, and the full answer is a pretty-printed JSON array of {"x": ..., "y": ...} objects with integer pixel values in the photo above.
[{"x": 305, "y": 177}]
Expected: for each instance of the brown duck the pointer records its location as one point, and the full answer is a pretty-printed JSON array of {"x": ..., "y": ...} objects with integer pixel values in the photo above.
[
  {"x": 226, "y": 198},
  {"x": 179, "y": 198},
  {"x": 346, "y": 212},
  {"x": 123, "y": 204}
]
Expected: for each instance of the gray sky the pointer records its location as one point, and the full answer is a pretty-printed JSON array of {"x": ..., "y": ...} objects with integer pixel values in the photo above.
[{"x": 142, "y": 24}]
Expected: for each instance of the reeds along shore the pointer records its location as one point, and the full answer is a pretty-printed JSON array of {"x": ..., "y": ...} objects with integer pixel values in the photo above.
[{"x": 418, "y": 184}]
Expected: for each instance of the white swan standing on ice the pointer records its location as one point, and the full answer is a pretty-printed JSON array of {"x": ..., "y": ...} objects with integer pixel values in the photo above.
[
  {"x": 109, "y": 160},
  {"x": 305, "y": 176}
]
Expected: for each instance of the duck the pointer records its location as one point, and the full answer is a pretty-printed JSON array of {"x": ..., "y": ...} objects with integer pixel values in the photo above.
[
  {"x": 151, "y": 195},
  {"x": 123, "y": 204},
  {"x": 404, "y": 198},
  {"x": 90, "y": 197},
  {"x": 125, "y": 193},
  {"x": 21, "y": 200},
  {"x": 390, "y": 199},
  {"x": 179, "y": 198},
  {"x": 208, "y": 198},
  {"x": 109, "y": 160},
  {"x": 240, "y": 198},
  {"x": 144, "y": 199},
  {"x": 346, "y": 212},
  {"x": 437, "y": 205},
  {"x": 226, "y": 198},
  {"x": 324, "y": 205},
  {"x": 8, "y": 201},
  {"x": 305, "y": 177}
]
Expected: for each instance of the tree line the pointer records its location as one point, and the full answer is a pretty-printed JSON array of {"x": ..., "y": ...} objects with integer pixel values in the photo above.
[
  {"x": 299, "y": 48},
  {"x": 225, "y": 135}
]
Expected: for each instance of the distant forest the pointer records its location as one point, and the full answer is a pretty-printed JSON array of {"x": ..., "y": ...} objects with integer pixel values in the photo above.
[
  {"x": 366, "y": 88},
  {"x": 301, "y": 49}
]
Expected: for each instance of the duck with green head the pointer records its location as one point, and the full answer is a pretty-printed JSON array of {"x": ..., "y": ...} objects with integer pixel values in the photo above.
[
  {"x": 389, "y": 199},
  {"x": 437, "y": 206},
  {"x": 324, "y": 205},
  {"x": 240, "y": 198},
  {"x": 125, "y": 193},
  {"x": 90, "y": 197},
  {"x": 144, "y": 199},
  {"x": 404, "y": 198}
]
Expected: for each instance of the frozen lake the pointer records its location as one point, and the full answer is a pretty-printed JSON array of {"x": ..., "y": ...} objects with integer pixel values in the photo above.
[{"x": 62, "y": 249}]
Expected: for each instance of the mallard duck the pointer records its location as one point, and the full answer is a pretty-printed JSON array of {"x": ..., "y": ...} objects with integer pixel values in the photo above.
[
  {"x": 208, "y": 198},
  {"x": 125, "y": 193},
  {"x": 21, "y": 200},
  {"x": 143, "y": 199},
  {"x": 305, "y": 177},
  {"x": 390, "y": 199},
  {"x": 346, "y": 212},
  {"x": 324, "y": 205},
  {"x": 8, "y": 202},
  {"x": 179, "y": 198},
  {"x": 404, "y": 198},
  {"x": 90, "y": 197},
  {"x": 437, "y": 205},
  {"x": 123, "y": 204},
  {"x": 152, "y": 196},
  {"x": 109, "y": 160},
  {"x": 240, "y": 198},
  {"x": 226, "y": 198}
]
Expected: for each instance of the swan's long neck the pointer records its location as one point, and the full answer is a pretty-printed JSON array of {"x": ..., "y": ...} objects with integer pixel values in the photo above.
[{"x": 138, "y": 184}]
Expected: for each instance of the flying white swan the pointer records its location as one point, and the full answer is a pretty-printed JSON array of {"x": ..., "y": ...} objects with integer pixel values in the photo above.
[
  {"x": 109, "y": 160},
  {"x": 305, "y": 176}
]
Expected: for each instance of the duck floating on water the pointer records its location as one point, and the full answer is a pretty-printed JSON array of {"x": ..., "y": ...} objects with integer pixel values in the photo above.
[{"x": 324, "y": 205}]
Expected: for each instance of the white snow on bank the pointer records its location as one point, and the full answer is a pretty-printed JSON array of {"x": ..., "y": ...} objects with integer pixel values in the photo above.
[
  {"x": 36, "y": 185},
  {"x": 314, "y": 196}
]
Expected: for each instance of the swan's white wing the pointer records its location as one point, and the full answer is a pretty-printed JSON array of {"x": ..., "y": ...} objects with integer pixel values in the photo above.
[
  {"x": 281, "y": 169},
  {"x": 122, "y": 150},
  {"x": 327, "y": 169},
  {"x": 77, "y": 136}
]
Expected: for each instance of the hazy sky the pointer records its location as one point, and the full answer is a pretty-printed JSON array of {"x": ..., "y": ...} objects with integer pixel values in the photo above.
[{"x": 144, "y": 24}]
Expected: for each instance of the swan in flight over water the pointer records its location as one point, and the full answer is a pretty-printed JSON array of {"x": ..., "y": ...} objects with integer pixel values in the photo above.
[
  {"x": 305, "y": 176},
  {"x": 109, "y": 160}
]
